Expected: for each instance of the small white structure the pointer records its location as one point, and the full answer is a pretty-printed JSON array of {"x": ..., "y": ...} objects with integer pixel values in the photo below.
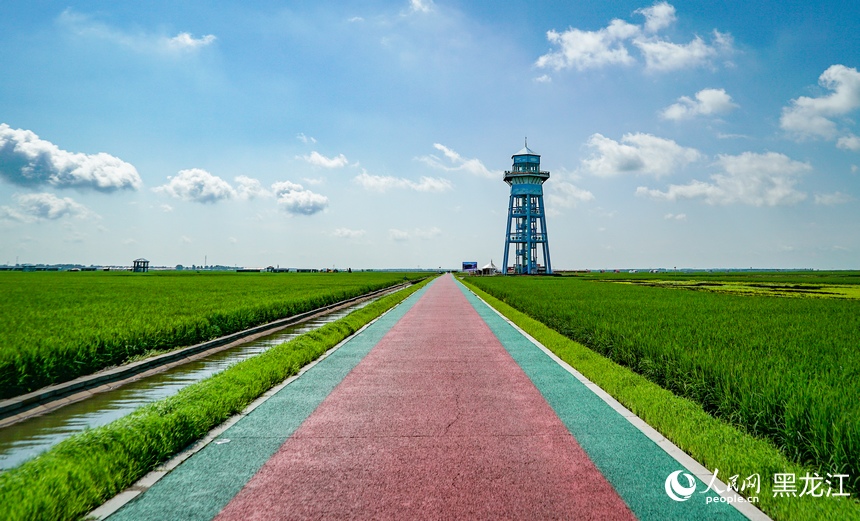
[{"x": 489, "y": 269}]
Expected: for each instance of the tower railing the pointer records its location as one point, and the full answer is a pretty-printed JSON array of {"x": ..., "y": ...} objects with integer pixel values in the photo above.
[{"x": 526, "y": 227}]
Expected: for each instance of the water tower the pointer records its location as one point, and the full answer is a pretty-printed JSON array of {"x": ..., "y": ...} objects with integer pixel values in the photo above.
[{"x": 526, "y": 216}]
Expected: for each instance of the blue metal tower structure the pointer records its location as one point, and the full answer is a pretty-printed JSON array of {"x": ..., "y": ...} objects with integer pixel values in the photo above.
[{"x": 526, "y": 216}]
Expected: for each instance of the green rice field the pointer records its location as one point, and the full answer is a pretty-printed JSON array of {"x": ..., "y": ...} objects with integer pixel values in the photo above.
[
  {"x": 777, "y": 355},
  {"x": 59, "y": 326}
]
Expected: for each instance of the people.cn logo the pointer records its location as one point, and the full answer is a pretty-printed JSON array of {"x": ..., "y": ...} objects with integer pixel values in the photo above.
[{"x": 677, "y": 491}]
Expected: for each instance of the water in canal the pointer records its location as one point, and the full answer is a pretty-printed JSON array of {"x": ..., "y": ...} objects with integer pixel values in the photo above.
[{"x": 21, "y": 441}]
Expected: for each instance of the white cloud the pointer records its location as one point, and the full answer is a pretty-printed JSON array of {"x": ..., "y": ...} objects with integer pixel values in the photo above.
[
  {"x": 420, "y": 6},
  {"x": 589, "y": 49},
  {"x": 248, "y": 188},
  {"x": 767, "y": 179},
  {"x": 166, "y": 208},
  {"x": 832, "y": 199},
  {"x": 658, "y": 16},
  {"x": 812, "y": 117},
  {"x": 580, "y": 49},
  {"x": 661, "y": 55},
  {"x": 398, "y": 235},
  {"x": 707, "y": 102},
  {"x": 200, "y": 186},
  {"x": 458, "y": 163},
  {"x": 567, "y": 195},
  {"x": 305, "y": 139},
  {"x": 317, "y": 159},
  {"x": 419, "y": 233},
  {"x": 42, "y": 207},
  {"x": 295, "y": 199},
  {"x": 379, "y": 183},
  {"x": 638, "y": 154},
  {"x": 27, "y": 160},
  {"x": 86, "y": 26},
  {"x": 849, "y": 142},
  {"x": 186, "y": 41},
  {"x": 544, "y": 78},
  {"x": 197, "y": 185},
  {"x": 675, "y": 217},
  {"x": 347, "y": 233}
]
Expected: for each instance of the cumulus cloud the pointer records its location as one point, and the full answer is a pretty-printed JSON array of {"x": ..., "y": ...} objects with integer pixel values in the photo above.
[
  {"x": 296, "y": 200},
  {"x": 197, "y": 185},
  {"x": 809, "y": 117},
  {"x": 662, "y": 55},
  {"x": 707, "y": 102},
  {"x": 27, "y": 160},
  {"x": 659, "y": 16},
  {"x": 457, "y": 163},
  {"x": 568, "y": 195},
  {"x": 580, "y": 49},
  {"x": 43, "y": 207},
  {"x": 248, "y": 188},
  {"x": 589, "y": 49},
  {"x": 675, "y": 217},
  {"x": 200, "y": 186},
  {"x": 636, "y": 154},
  {"x": 377, "y": 183},
  {"x": 767, "y": 179},
  {"x": 347, "y": 233},
  {"x": 317, "y": 159},
  {"x": 849, "y": 142}
]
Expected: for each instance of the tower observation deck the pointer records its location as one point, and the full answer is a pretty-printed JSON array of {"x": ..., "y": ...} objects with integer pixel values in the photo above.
[{"x": 526, "y": 231}]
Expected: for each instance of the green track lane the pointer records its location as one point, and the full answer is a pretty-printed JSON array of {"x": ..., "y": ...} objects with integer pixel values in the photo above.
[
  {"x": 635, "y": 465},
  {"x": 202, "y": 485}
]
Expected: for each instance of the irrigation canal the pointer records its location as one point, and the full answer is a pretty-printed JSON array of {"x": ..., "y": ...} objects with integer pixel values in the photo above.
[{"x": 21, "y": 441}]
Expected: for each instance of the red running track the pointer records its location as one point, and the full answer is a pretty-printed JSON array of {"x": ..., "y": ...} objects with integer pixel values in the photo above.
[{"x": 437, "y": 421}]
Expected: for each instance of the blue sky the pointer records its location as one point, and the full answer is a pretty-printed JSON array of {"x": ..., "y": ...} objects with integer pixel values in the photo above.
[{"x": 375, "y": 134}]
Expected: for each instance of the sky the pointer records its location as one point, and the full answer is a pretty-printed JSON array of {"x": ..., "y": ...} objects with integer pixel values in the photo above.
[{"x": 375, "y": 134}]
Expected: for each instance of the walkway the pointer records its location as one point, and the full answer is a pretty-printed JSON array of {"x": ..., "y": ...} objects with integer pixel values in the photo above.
[{"x": 439, "y": 410}]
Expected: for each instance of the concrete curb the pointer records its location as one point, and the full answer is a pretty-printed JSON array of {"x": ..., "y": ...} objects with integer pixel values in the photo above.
[
  {"x": 143, "y": 484},
  {"x": 684, "y": 459}
]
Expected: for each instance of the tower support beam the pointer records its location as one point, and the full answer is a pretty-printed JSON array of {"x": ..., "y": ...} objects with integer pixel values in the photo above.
[{"x": 526, "y": 226}]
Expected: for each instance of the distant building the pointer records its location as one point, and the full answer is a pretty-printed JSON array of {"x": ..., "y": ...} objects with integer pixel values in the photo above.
[{"x": 140, "y": 265}]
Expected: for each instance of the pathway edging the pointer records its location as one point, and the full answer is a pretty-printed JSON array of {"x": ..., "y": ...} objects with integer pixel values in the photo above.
[
  {"x": 121, "y": 500},
  {"x": 684, "y": 459}
]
